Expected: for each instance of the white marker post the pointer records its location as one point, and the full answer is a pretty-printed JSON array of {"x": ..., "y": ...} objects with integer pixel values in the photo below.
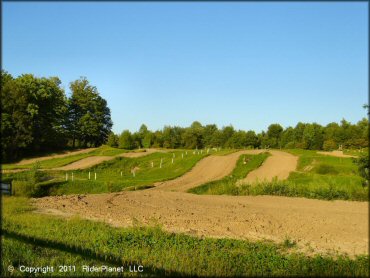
[
  {"x": 172, "y": 160},
  {"x": 182, "y": 155},
  {"x": 95, "y": 176},
  {"x": 66, "y": 176},
  {"x": 72, "y": 176},
  {"x": 152, "y": 164},
  {"x": 89, "y": 175},
  {"x": 186, "y": 153},
  {"x": 121, "y": 173},
  {"x": 160, "y": 165}
]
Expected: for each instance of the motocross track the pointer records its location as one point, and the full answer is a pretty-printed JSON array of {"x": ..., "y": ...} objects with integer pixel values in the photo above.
[
  {"x": 317, "y": 226},
  {"x": 336, "y": 154},
  {"x": 95, "y": 160}
]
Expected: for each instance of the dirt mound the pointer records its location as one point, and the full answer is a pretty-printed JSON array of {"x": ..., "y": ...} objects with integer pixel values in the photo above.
[
  {"x": 279, "y": 164},
  {"x": 317, "y": 226},
  {"x": 208, "y": 169},
  {"x": 139, "y": 154},
  {"x": 85, "y": 163},
  {"x": 336, "y": 154},
  {"x": 33, "y": 160}
]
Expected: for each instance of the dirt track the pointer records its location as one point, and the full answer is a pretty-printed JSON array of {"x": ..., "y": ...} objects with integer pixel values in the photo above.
[
  {"x": 316, "y": 225},
  {"x": 279, "y": 164},
  {"x": 33, "y": 160},
  {"x": 208, "y": 169},
  {"x": 336, "y": 154},
  {"x": 324, "y": 226}
]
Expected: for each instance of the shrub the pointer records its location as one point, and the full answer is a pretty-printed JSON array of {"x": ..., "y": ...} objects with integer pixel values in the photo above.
[
  {"x": 330, "y": 145},
  {"x": 290, "y": 145},
  {"x": 23, "y": 188}
]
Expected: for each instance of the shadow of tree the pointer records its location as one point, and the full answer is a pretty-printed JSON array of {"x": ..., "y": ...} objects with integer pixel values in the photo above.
[{"x": 149, "y": 270}]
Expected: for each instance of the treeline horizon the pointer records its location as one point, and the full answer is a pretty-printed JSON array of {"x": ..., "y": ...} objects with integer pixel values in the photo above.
[
  {"x": 38, "y": 116},
  {"x": 311, "y": 136}
]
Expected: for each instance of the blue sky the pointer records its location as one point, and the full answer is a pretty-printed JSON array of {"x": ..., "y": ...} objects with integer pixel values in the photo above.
[{"x": 245, "y": 64}]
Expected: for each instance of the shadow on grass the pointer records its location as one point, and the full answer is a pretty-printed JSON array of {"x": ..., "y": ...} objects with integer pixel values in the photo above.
[{"x": 89, "y": 254}]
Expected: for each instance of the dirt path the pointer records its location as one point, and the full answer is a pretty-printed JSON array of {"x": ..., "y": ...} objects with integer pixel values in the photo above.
[
  {"x": 208, "y": 169},
  {"x": 94, "y": 160},
  {"x": 321, "y": 225},
  {"x": 33, "y": 160},
  {"x": 336, "y": 154},
  {"x": 279, "y": 164}
]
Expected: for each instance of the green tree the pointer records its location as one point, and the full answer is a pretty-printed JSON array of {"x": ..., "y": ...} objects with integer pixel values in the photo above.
[
  {"x": 125, "y": 140},
  {"x": 89, "y": 119},
  {"x": 112, "y": 140},
  {"x": 274, "y": 132}
]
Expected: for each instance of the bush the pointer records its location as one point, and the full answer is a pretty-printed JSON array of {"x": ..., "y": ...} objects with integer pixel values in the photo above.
[
  {"x": 290, "y": 145},
  {"x": 330, "y": 145},
  {"x": 324, "y": 169},
  {"x": 23, "y": 188}
]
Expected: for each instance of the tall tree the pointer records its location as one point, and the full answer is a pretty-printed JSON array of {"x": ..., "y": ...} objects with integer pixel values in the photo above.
[{"x": 89, "y": 119}]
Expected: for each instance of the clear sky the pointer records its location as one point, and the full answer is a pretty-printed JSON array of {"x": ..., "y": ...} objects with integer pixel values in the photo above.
[{"x": 245, "y": 64}]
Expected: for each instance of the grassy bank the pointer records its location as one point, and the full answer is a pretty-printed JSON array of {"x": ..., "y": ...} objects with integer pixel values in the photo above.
[
  {"x": 227, "y": 184},
  {"x": 76, "y": 242},
  {"x": 317, "y": 176}
]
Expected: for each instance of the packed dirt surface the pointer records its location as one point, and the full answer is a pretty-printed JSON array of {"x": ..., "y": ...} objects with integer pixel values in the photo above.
[
  {"x": 208, "y": 169},
  {"x": 317, "y": 226},
  {"x": 33, "y": 160},
  {"x": 336, "y": 154},
  {"x": 94, "y": 160},
  {"x": 279, "y": 165},
  {"x": 84, "y": 163}
]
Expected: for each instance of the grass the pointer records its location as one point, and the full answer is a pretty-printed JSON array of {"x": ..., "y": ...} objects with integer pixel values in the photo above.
[
  {"x": 227, "y": 185},
  {"x": 33, "y": 239},
  {"x": 109, "y": 177},
  {"x": 317, "y": 177}
]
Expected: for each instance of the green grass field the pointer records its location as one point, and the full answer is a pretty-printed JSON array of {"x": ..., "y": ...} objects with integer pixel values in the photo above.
[
  {"x": 317, "y": 176},
  {"x": 38, "y": 240}
]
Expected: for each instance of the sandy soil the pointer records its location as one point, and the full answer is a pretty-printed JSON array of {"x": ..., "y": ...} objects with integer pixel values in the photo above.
[
  {"x": 278, "y": 165},
  {"x": 33, "y": 160},
  {"x": 336, "y": 154},
  {"x": 208, "y": 169},
  {"x": 317, "y": 226},
  {"x": 321, "y": 225}
]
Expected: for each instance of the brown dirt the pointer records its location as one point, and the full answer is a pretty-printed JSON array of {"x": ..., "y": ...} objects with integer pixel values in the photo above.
[
  {"x": 208, "y": 169},
  {"x": 322, "y": 225},
  {"x": 279, "y": 165},
  {"x": 94, "y": 160},
  {"x": 33, "y": 160},
  {"x": 317, "y": 226},
  {"x": 336, "y": 154}
]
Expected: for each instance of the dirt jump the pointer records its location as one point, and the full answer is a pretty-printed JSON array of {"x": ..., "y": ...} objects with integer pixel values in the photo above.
[
  {"x": 317, "y": 226},
  {"x": 279, "y": 165},
  {"x": 208, "y": 169}
]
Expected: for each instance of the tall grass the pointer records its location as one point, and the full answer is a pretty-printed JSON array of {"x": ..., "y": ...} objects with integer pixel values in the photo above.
[{"x": 75, "y": 242}]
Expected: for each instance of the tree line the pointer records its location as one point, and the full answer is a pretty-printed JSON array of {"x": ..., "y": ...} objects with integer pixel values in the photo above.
[
  {"x": 311, "y": 136},
  {"x": 38, "y": 116}
]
